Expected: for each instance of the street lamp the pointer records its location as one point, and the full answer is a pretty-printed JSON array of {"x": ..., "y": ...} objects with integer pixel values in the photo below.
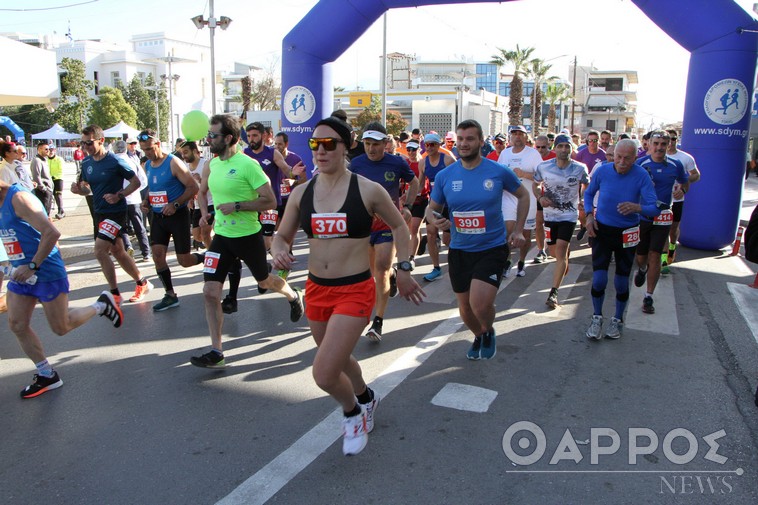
[
  {"x": 171, "y": 78},
  {"x": 212, "y": 23}
]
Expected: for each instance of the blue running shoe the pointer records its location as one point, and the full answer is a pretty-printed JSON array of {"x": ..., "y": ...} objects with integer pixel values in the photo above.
[
  {"x": 489, "y": 348},
  {"x": 435, "y": 274}
]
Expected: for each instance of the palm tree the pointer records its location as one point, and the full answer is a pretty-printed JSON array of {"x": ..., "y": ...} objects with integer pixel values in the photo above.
[
  {"x": 518, "y": 59},
  {"x": 555, "y": 94},
  {"x": 537, "y": 70}
]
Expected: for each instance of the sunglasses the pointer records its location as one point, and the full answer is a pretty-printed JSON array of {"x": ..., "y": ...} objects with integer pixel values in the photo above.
[
  {"x": 431, "y": 144},
  {"x": 411, "y": 149},
  {"x": 330, "y": 144},
  {"x": 593, "y": 141},
  {"x": 89, "y": 142},
  {"x": 144, "y": 137},
  {"x": 540, "y": 147},
  {"x": 214, "y": 135}
]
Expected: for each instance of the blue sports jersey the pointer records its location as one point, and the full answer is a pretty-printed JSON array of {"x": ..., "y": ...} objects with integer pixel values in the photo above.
[
  {"x": 473, "y": 198},
  {"x": 387, "y": 172},
  {"x": 104, "y": 177},
  {"x": 21, "y": 240},
  {"x": 634, "y": 186},
  {"x": 164, "y": 187},
  {"x": 664, "y": 175}
]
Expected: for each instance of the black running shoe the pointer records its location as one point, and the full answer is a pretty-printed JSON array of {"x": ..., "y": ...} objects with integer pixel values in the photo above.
[
  {"x": 229, "y": 305},
  {"x": 112, "y": 310},
  {"x": 639, "y": 278},
  {"x": 647, "y": 305},
  {"x": 296, "y": 306},
  {"x": 393, "y": 283},
  {"x": 209, "y": 360},
  {"x": 580, "y": 235},
  {"x": 422, "y": 246},
  {"x": 41, "y": 385},
  {"x": 374, "y": 333}
]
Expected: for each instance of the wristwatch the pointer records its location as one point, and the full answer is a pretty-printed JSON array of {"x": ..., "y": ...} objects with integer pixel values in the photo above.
[
  {"x": 177, "y": 205},
  {"x": 33, "y": 266},
  {"x": 237, "y": 206},
  {"x": 405, "y": 266}
]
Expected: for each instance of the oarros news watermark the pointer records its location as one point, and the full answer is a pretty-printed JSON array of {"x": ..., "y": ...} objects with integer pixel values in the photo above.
[{"x": 679, "y": 446}]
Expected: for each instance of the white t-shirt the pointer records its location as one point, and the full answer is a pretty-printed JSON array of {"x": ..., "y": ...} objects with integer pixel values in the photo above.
[
  {"x": 561, "y": 186},
  {"x": 527, "y": 160},
  {"x": 134, "y": 198},
  {"x": 689, "y": 165},
  {"x": 8, "y": 172},
  {"x": 199, "y": 172}
]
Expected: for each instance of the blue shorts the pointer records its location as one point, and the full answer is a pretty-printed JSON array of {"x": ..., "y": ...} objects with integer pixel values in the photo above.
[
  {"x": 42, "y": 291},
  {"x": 380, "y": 237}
]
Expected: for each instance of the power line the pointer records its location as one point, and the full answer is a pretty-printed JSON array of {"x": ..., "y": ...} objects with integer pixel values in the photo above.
[{"x": 50, "y": 8}]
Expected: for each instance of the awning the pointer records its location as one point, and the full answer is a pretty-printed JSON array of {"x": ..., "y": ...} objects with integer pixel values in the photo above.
[
  {"x": 37, "y": 82},
  {"x": 606, "y": 101},
  {"x": 55, "y": 132},
  {"x": 119, "y": 130}
]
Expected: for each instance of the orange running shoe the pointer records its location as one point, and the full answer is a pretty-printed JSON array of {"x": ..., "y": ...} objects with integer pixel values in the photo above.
[{"x": 141, "y": 291}]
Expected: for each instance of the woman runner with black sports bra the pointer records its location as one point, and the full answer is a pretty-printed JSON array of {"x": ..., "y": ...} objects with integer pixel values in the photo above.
[{"x": 335, "y": 209}]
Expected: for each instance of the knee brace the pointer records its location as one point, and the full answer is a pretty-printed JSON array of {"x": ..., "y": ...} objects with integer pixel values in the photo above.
[
  {"x": 622, "y": 297},
  {"x": 597, "y": 293}
]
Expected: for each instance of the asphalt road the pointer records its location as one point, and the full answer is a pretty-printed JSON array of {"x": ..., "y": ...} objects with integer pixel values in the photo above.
[{"x": 136, "y": 424}]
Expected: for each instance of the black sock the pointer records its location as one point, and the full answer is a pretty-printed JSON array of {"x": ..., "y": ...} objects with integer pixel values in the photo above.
[
  {"x": 235, "y": 274},
  {"x": 115, "y": 292},
  {"x": 366, "y": 396},
  {"x": 200, "y": 257},
  {"x": 520, "y": 265},
  {"x": 142, "y": 282},
  {"x": 356, "y": 410},
  {"x": 378, "y": 319},
  {"x": 165, "y": 277}
]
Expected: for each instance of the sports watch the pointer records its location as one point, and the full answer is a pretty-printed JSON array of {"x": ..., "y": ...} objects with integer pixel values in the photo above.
[
  {"x": 237, "y": 206},
  {"x": 33, "y": 266},
  {"x": 405, "y": 266}
]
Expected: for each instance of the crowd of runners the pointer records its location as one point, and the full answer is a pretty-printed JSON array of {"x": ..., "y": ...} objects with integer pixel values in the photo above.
[{"x": 369, "y": 207}]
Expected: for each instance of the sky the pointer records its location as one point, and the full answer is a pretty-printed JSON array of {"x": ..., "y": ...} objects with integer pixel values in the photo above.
[{"x": 609, "y": 34}]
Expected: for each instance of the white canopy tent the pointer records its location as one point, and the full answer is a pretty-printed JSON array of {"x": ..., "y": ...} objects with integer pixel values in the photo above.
[
  {"x": 38, "y": 82},
  {"x": 55, "y": 132},
  {"x": 119, "y": 130}
]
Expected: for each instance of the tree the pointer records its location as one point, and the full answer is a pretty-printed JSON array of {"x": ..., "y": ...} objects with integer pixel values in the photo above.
[
  {"x": 247, "y": 94},
  {"x": 518, "y": 59},
  {"x": 110, "y": 108},
  {"x": 30, "y": 118},
  {"x": 373, "y": 112},
  {"x": 538, "y": 70},
  {"x": 158, "y": 93},
  {"x": 137, "y": 96},
  {"x": 264, "y": 94},
  {"x": 74, "y": 104},
  {"x": 555, "y": 94}
]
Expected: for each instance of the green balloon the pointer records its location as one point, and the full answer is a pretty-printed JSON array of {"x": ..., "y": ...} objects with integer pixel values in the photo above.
[{"x": 195, "y": 125}]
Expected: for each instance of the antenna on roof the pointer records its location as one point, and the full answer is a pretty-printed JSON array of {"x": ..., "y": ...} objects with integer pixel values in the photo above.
[{"x": 68, "y": 33}]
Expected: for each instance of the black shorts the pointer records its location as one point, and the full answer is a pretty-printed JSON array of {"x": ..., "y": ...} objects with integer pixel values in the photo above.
[
  {"x": 271, "y": 220},
  {"x": 653, "y": 237},
  {"x": 608, "y": 243},
  {"x": 57, "y": 185},
  {"x": 223, "y": 252},
  {"x": 196, "y": 215},
  {"x": 486, "y": 266},
  {"x": 419, "y": 207},
  {"x": 676, "y": 208},
  {"x": 162, "y": 228},
  {"x": 560, "y": 230},
  {"x": 108, "y": 226}
]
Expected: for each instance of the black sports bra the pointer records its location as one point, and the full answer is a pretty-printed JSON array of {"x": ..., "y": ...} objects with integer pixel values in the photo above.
[{"x": 352, "y": 220}]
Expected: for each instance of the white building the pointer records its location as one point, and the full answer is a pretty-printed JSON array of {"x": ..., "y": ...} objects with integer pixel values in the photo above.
[{"x": 605, "y": 100}]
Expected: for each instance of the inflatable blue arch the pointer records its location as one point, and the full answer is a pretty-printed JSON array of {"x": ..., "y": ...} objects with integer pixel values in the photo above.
[{"x": 719, "y": 34}]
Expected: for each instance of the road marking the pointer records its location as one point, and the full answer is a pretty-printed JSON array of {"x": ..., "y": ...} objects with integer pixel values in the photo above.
[
  {"x": 664, "y": 320},
  {"x": 464, "y": 397},
  {"x": 265, "y": 483},
  {"x": 532, "y": 300},
  {"x": 746, "y": 299}
]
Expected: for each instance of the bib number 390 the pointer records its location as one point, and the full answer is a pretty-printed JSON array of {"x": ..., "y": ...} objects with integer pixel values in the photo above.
[{"x": 470, "y": 223}]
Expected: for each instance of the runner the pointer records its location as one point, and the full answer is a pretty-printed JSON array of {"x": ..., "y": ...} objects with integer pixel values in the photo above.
[
  {"x": 625, "y": 190},
  {"x": 472, "y": 188},
  {"x": 335, "y": 210},
  {"x": 422, "y": 200},
  {"x": 39, "y": 275},
  {"x": 562, "y": 181}
]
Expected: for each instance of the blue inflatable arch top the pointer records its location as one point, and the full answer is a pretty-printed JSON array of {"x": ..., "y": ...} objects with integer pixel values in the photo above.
[
  {"x": 716, "y": 116},
  {"x": 13, "y": 127}
]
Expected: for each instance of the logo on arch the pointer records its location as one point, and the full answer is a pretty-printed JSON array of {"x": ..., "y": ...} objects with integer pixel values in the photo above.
[
  {"x": 298, "y": 104},
  {"x": 726, "y": 102}
]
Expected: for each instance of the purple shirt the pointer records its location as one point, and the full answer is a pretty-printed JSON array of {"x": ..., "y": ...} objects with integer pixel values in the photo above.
[
  {"x": 266, "y": 159},
  {"x": 589, "y": 159}
]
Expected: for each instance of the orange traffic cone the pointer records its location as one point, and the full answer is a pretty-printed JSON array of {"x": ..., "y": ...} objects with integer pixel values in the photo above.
[{"x": 738, "y": 241}]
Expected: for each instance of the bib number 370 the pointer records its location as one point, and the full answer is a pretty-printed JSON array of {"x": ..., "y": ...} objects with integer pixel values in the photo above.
[{"x": 329, "y": 225}]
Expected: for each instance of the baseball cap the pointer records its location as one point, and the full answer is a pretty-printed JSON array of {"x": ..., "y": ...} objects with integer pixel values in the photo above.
[
  {"x": 517, "y": 128},
  {"x": 450, "y": 136},
  {"x": 51, "y": 146},
  {"x": 500, "y": 137},
  {"x": 565, "y": 131},
  {"x": 373, "y": 134},
  {"x": 562, "y": 139},
  {"x": 432, "y": 138},
  {"x": 412, "y": 145},
  {"x": 131, "y": 140}
]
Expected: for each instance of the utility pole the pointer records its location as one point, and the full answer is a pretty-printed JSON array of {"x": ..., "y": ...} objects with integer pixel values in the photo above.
[{"x": 573, "y": 97}]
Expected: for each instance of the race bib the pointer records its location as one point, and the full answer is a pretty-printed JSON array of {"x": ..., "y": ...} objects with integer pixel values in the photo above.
[
  {"x": 13, "y": 248},
  {"x": 665, "y": 219},
  {"x": 547, "y": 234},
  {"x": 269, "y": 217},
  {"x": 630, "y": 237},
  {"x": 470, "y": 223},
  {"x": 285, "y": 187},
  {"x": 329, "y": 225},
  {"x": 158, "y": 199},
  {"x": 211, "y": 262},
  {"x": 109, "y": 228}
]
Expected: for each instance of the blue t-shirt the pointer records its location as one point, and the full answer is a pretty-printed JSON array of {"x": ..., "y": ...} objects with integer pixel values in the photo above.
[
  {"x": 664, "y": 175},
  {"x": 386, "y": 172},
  {"x": 104, "y": 177},
  {"x": 473, "y": 198},
  {"x": 21, "y": 240},
  {"x": 163, "y": 185},
  {"x": 634, "y": 186}
]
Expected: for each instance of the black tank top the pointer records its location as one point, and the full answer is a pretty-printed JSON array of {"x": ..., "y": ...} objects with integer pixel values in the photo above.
[{"x": 352, "y": 220}]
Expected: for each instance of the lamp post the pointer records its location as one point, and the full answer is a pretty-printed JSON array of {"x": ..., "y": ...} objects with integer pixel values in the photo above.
[
  {"x": 223, "y": 23},
  {"x": 171, "y": 78},
  {"x": 156, "y": 88}
]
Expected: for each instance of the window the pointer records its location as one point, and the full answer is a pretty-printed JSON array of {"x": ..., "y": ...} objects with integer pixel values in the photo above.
[
  {"x": 97, "y": 82},
  {"x": 589, "y": 123},
  {"x": 614, "y": 84},
  {"x": 610, "y": 125},
  {"x": 141, "y": 77},
  {"x": 115, "y": 78}
]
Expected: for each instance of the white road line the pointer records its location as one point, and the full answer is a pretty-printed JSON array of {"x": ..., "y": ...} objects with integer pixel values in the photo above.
[
  {"x": 532, "y": 299},
  {"x": 746, "y": 299},
  {"x": 464, "y": 397},
  {"x": 664, "y": 320},
  {"x": 265, "y": 483}
]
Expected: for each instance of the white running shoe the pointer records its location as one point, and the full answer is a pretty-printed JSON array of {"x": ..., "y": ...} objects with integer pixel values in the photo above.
[
  {"x": 355, "y": 434},
  {"x": 370, "y": 410}
]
